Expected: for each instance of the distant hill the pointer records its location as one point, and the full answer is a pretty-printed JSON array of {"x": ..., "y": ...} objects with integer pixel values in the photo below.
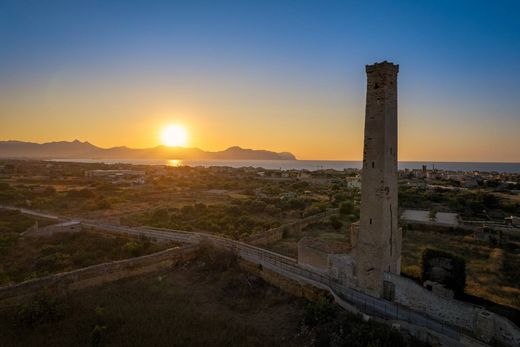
[{"x": 85, "y": 150}]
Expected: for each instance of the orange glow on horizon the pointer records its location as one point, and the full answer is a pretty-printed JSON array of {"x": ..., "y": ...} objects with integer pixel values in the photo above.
[{"x": 174, "y": 135}]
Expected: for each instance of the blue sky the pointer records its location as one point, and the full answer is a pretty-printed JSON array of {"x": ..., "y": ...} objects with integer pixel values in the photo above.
[{"x": 298, "y": 64}]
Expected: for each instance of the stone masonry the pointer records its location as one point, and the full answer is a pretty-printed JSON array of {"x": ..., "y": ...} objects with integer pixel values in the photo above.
[{"x": 378, "y": 247}]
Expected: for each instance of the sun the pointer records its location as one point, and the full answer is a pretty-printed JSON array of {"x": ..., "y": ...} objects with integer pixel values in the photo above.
[{"x": 174, "y": 135}]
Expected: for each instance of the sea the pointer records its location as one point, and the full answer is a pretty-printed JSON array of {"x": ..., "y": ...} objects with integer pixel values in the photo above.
[{"x": 311, "y": 165}]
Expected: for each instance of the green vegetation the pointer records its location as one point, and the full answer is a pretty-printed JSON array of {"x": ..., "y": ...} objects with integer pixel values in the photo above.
[
  {"x": 237, "y": 219},
  {"x": 210, "y": 301},
  {"x": 12, "y": 221},
  {"x": 234, "y": 220},
  {"x": 469, "y": 204},
  {"x": 12, "y": 224},
  {"x": 40, "y": 310},
  {"x": 335, "y": 327},
  {"x": 336, "y": 229},
  {"x": 206, "y": 302},
  {"x": 34, "y": 257},
  {"x": 482, "y": 278}
]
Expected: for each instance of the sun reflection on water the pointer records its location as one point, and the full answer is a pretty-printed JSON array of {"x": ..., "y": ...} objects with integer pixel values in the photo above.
[{"x": 175, "y": 162}]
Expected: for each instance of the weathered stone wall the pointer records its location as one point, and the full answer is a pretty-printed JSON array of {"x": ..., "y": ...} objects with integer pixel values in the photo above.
[
  {"x": 484, "y": 324},
  {"x": 342, "y": 268},
  {"x": 95, "y": 275},
  {"x": 505, "y": 331},
  {"x": 378, "y": 247},
  {"x": 66, "y": 227},
  {"x": 276, "y": 234},
  {"x": 268, "y": 236},
  {"x": 312, "y": 257},
  {"x": 316, "y": 253},
  {"x": 410, "y": 294},
  {"x": 286, "y": 284}
]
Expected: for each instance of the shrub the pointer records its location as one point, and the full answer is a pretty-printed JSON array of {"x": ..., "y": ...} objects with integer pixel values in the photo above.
[
  {"x": 41, "y": 309},
  {"x": 102, "y": 204},
  {"x": 134, "y": 248},
  {"x": 216, "y": 260},
  {"x": 346, "y": 208},
  {"x": 320, "y": 312},
  {"x": 349, "y": 330},
  {"x": 83, "y": 193}
]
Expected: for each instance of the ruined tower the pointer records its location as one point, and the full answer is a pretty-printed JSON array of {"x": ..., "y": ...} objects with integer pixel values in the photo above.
[{"x": 378, "y": 244}]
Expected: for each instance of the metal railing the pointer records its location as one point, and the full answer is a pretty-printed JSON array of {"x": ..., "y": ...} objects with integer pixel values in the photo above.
[{"x": 289, "y": 267}]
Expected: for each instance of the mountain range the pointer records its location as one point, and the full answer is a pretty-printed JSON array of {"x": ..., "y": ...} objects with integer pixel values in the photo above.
[{"x": 85, "y": 150}]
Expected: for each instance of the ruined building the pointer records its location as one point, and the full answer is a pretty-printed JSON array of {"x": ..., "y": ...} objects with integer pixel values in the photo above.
[
  {"x": 376, "y": 239},
  {"x": 377, "y": 245},
  {"x": 367, "y": 272}
]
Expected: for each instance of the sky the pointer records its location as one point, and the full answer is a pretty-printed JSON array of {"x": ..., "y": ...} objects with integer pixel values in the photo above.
[{"x": 277, "y": 75}]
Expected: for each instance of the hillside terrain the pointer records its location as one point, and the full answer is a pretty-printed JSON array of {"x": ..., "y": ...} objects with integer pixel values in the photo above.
[{"x": 85, "y": 150}]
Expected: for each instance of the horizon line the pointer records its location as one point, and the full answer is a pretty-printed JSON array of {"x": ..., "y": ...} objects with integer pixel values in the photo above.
[{"x": 246, "y": 148}]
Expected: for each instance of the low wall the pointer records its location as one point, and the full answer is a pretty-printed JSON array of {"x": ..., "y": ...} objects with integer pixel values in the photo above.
[
  {"x": 284, "y": 283},
  {"x": 276, "y": 234},
  {"x": 486, "y": 325},
  {"x": 66, "y": 227},
  {"x": 94, "y": 275},
  {"x": 410, "y": 294},
  {"x": 267, "y": 237}
]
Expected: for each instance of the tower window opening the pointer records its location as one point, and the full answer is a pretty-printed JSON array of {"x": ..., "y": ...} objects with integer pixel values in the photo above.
[
  {"x": 370, "y": 220},
  {"x": 373, "y": 165}
]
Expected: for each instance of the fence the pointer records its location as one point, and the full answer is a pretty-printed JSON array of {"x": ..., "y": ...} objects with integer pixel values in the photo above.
[
  {"x": 365, "y": 303},
  {"x": 289, "y": 268}
]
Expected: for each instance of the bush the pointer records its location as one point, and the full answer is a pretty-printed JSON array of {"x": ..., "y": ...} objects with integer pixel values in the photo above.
[
  {"x": 320, "y": 312},
  {"x": 216, "y": 260},
  {"x": 349, "y": 330},
  {"x": 102, "y": 204},
  {"x": 346, "y": 208},
  {"x": 133, "y": 248},
  {"x": 83, "y": 193},
  {"x": 42, "y": 309}
]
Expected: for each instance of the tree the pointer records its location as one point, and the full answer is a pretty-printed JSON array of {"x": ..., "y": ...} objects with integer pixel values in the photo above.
[
  {"x": 432, "y": 214},
  {"x": 346, "y": 208}
]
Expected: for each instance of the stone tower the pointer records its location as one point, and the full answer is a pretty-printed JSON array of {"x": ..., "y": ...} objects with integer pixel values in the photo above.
[{"x": 378, "y": 244}]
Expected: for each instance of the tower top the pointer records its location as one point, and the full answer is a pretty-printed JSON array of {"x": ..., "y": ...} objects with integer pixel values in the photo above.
[{"x": 382, "y": 66}]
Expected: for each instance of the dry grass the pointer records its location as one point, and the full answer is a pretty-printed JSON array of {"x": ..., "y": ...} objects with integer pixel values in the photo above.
[
  {"x": 197, "y": 304},
  {"x": 486, "y": 277},
  {"x": 289, "y": 244},
  {"x": 492, "y": 274}
]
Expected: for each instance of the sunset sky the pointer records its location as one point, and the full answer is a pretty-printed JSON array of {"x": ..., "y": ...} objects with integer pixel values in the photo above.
[{"x": 276, "y": 75}]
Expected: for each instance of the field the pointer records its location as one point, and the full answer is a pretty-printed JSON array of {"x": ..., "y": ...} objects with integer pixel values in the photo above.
[
  {"x": 210, "y": 301},
  {"x": 289, "y": 244},
  {"x": 490, "y": 273},
  {"x": 23, "y": 258}
]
